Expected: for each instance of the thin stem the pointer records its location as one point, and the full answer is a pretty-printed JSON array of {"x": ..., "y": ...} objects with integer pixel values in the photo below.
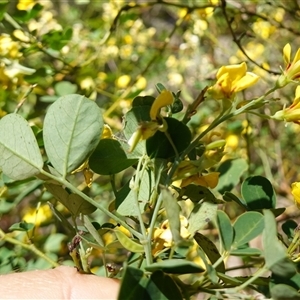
[
  {"x": 257, "y": 274},
  {"x": 30, "y": 247},
  {"x": 154, "y": 217},
  {"x": 294, "y": 244},
  {"x": 237, "y": 40},
  {"x": 141, "y": 169},
  {"x": 113, "y": 184},
  {"x": 25, "y": 97},
  {"x": 171, "y": 142},
  {"x": 93, "y": 202}
]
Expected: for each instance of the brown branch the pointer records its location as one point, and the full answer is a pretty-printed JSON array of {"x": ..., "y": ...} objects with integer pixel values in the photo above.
[{"x": 238, "y": 43}]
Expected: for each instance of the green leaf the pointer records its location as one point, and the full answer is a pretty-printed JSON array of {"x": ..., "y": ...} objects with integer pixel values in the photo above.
[
  {"x": 210, "y": 250},
  {"x": 78, "y": 205},
  {"x": 3, "y": 8},
  {"x": 229, "y": 280},
  {"x": 57, "y": 39},
  {"x": 21, "y": 226},
  {"x": 246, "y": 251},
  {"x": 284, "y": 292},
  {"x": 54, "y": 242},
  {"x": 231, "y": 171},
  {"x": 258, "y": 193},
  {"x": 64, "y": 88},
  {"x": 25, "y": 16},
  {"x": 246, "y": 227},
  {"x": 289, "y": 227},
  {"x": 74, "y": 203},
  {"x": 72, "y": 128},
  {"x": 274, "y": 251},
  {"x": 20, "y": 155},
  {"x": 109, "y": 158},
  {"x": 126, "y": 203},
  {"x": 293, "y": 281},
  {"x": 175, "y": 266},
  {"x": 228, "y": 196},
  {"x": 172, "y": 211},
  {"x": 201, "y": 215},
  {"x": 92, "y": 230},
  {"x": 134, "y": 284},
  {"x": 197, "y": 192},
  {"x": 159, "y": 145},
  {"x": 225, "y": 229},
  {"x": 160, "y": 87},
  {"x": 162, "y": 287},
  {"x": 129, "y": 243}
]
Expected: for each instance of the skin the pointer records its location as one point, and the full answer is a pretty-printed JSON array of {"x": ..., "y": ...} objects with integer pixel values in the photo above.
[{"x": 59, "y": 283}]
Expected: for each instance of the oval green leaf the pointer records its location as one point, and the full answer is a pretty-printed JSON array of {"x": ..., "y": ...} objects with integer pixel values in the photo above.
[
  {"x": 247, "y": 226},
  {"x": 175, "y": 266},
  {"x": 225, "y": 229},
  {"x": 231, "y": 171},
  {"x": 20, "y": 155},
  {"x": 128, "y": 243},
  {"x": 274, "y": 251},
  {"x": 109, "y": 158},
  {"x": 258, "y": 193},
  {"x": 210, "y": 250},
  {"x": 126, "y": 202},
  {"x": 159, "y": 145},
  {"x": 162, "y": 286},
  {"x": 73, "y": 202},
  {"x": 201, "y": 215},
  {"x": 72, "y": 129},
  {"x": 284, "y": 292}
]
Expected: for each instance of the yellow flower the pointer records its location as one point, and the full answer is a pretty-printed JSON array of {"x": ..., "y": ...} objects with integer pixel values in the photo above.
[
  {"x": 162, "y": 237},
  {"x": 165, "y": 98},
  {"x": 296, "y": 193},
  {"x": 232, "y": 79},
  {"x": 292, "y": 69},
  {"x": 148, "y": 129},
  {"x": 143, "y": 132},
  {"x": 25, "y": 4},
  {"x": 292, "y": 113}
]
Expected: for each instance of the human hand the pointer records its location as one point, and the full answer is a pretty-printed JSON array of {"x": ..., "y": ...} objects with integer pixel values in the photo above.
[{"x": 59, "y": 283}]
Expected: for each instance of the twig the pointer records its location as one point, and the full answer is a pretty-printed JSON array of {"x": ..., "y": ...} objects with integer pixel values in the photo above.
[
  {"x": 30, "y": 247},
  {"x": 237, "y": 40}
]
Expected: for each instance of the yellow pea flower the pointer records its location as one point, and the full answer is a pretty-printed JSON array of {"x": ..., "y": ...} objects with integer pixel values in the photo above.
[
  {"x": 148, "y": 129},
  {"x": 292, "y": 69},
  {"x": 143, "y": 132},
  {"x": 292, "y": 113},
  {"x": 232, "y": 79},
  {"x": 165, "y": 98},
  {"x": 162, "y": 236},
  {"x": 296, "y": 193}
]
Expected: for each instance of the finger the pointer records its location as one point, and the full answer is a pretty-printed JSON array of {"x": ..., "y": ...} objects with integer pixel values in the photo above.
[{"x": 60, "y": 283}]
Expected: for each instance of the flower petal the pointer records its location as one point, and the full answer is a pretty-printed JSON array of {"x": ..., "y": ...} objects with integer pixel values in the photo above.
[
  {"x": 287, "y": 53},
  {"x": 296, "y": 193},
  {"x": 248, "y": 80},
  {"x": 297, "y": 56},
  {"x": 297, "y": 93},
  {"x": 233, "y": 71},
  {"x": 163, "y": 99}
]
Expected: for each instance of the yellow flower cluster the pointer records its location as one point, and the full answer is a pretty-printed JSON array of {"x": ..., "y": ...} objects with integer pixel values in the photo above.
[
  {"x": 230, "y": 80},
  {"x": 291, "y": 73},
  {"x": 292, "y": 69}
]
